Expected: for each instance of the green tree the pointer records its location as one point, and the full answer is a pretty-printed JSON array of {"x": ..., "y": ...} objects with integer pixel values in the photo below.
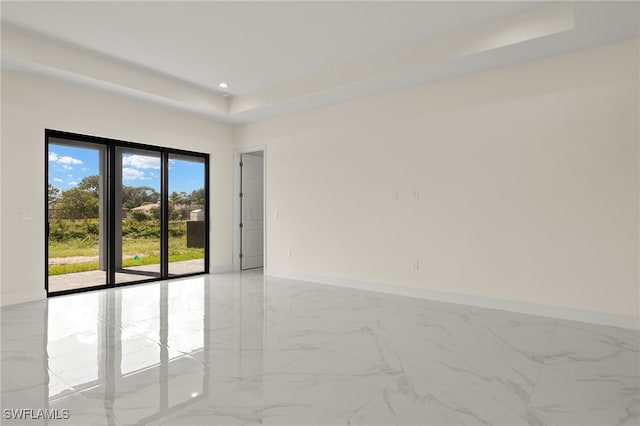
[
  {"x": 197, "y": 197},
  {"x": 76, "y": 203},
  {"x": 53, "y": 194},
  {"x": 136, "y": 196},
  {"x": 179, "y": 198},
  {"x": 90, "y": 184}
]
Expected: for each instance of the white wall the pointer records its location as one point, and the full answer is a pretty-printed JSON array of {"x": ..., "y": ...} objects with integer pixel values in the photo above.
[
  {"x": 29, "y": 105},
  {"x": 527, "y": 179}
]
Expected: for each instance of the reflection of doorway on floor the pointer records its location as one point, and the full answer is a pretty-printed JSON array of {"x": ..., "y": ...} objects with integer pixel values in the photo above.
[{"x": 252, "y": 210}]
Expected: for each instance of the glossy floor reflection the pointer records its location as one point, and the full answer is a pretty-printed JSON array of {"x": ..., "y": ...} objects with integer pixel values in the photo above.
[{"x": 241, "y": 349}]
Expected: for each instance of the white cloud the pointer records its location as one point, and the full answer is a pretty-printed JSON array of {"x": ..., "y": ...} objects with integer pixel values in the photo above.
[
  {"x": 141, "y": 162},
  {"x": 65, "y": 159},
  {"x": 72, "y": 183},
  {"x": 69, "y": 175},
  {"x": 67, "y": 167},
  {"x": 57, "y": 180},
  {"x": 130, "y": 174},
  {"x": 69, "y": 160}
]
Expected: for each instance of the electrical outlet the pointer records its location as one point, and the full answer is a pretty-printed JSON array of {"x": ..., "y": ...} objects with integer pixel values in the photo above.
[
  {"x": 416, "y": 194},
  {"x": 415, "y": 265},
  {"x": 395, "y": 195},
  {"x": 289, "y": 253},
  {"x": 277, "y": 214}
]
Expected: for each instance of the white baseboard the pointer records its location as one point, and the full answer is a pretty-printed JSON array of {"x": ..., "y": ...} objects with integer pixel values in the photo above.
[
  {"x": 564, "y": 313},
  {"x": 221, "y": 269},
  {"x": 15, "y": 298}
]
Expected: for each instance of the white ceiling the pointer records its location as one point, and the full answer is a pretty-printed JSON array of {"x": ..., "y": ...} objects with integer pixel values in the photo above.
[
  {"x": 251, "y": 45},
  {"x": 284, "y": 56}
]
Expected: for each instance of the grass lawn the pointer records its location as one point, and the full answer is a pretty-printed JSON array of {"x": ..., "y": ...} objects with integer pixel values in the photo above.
[
  {"x": 147, "y": 250},
  {"x": 147, "y": 260},
  {"x": 74, "y": 247}
]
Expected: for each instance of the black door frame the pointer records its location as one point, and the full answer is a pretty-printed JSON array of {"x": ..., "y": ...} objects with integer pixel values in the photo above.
[{"x": 111, "y": 145}]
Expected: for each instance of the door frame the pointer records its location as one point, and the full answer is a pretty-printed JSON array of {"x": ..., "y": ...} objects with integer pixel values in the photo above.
[
  {"x": 110, "y": 188},
  {"x": 237, "y": 213}
]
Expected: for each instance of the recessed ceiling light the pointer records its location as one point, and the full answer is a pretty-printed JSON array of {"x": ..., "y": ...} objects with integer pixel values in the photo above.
[{"x": 223, "y": 85}]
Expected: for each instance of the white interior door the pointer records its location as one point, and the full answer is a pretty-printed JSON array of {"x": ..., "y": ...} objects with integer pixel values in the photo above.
[{"x": 252, "y": 230}]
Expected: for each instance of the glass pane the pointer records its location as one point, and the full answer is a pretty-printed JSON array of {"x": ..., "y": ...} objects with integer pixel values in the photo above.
[
  {"x": 76, "y": 238},
  {"x": 137, "y": 234},
  {"x": 187, "y": 225}
]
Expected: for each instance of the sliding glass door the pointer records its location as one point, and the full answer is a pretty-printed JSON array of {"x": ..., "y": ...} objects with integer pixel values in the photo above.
[
  {"x": 120, "y": 212},
  {"x": 76, "y": 225},
  {"x": 138, "y": 210},
  {"x": 187, "y": 211}
]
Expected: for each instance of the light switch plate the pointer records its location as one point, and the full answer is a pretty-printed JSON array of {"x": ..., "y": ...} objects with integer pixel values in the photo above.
[{"x": 27, "y": 215}]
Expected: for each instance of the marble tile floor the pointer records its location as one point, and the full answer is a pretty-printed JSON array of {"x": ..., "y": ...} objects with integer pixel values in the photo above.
[{"x": 242, "y": 349}]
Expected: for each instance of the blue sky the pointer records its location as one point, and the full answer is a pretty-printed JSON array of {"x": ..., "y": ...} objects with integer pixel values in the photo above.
[{"x": 69, "y": 165}]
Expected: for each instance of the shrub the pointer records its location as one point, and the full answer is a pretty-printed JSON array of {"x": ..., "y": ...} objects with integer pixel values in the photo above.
[
  {"x": 57, "y": 230},
  {"x": 88, "y": 230},
  {"x": 177, "y": 228},
  {"x": 92, "y": 227},
  {"x": 65, "y": 229},
  {"x": 134, "y": 229},
  {"x": 139, "y": 216}
]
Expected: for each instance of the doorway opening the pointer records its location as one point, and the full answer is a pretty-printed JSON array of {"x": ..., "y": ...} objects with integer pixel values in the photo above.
[
  {"x": 120, "y": 213},
  {"x": 250, "y": 209}
]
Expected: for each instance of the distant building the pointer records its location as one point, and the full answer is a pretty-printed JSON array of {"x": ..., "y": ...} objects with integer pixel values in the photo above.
[
  {"x": 183, "y": 210},
  {"x": 197, "y": 215},
  {"x": 146, "y": 208}
]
